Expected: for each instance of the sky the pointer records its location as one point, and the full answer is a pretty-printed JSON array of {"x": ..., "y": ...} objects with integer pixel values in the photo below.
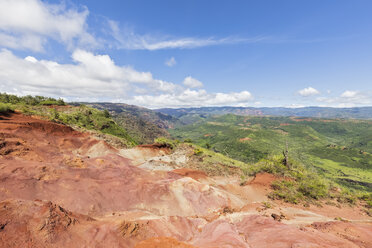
[{"x": 189, "y": 53}]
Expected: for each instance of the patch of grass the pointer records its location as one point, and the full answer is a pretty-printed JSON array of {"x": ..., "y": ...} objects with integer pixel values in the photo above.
[
  {"x": 287, "y": 191},
  {"x": 298, "y": 184},
  {"x": 267, "y": 205},
  {"x": 346, "y": 196}
]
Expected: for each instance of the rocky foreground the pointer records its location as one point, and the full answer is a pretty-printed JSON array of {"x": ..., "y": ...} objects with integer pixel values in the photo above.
[{"x": 63, "y": 188}]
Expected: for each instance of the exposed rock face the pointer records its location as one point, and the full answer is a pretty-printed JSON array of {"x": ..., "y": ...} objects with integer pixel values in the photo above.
[{"x": 63, "y": 188}]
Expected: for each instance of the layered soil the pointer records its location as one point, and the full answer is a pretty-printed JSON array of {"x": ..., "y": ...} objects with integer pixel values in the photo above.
[{"x": 64, "y": 188}]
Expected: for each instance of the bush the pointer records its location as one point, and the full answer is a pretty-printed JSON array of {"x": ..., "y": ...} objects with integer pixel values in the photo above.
[
  {"x": 54, "y": 115},
  {"x": 287, "y": 191},
  {"x": 347, "y": 196},
  {"x": 313, "y": 188},
  {"x": 5, "y": 108},
  {"x": 198, "y": 151},
  {"x": 106, "y": 113},
  {"x": 30, "y": 100},
  {"x": 50, "y": 102},
  {"x": 167, "y": 142}
]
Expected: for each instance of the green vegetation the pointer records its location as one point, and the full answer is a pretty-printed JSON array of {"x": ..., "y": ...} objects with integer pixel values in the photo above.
[
  {"x": 30, "y": 100},
  {"x": 172, "y": 144},
  {"x": 297, "y": 183},
  {"x": 214, "y": 164},
  {"x": 76, "y": 116},
  {"x": 336, "y": 149},
  {"x": 4, "y": 107},
  {"x": 143, "y": 125}
]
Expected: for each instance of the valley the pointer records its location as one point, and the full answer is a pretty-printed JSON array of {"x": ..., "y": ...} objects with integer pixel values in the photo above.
[
  {"x": 74, "y": 176},
  {"x": 340, "y": 149},
  {"x": 62, "y": 187}
]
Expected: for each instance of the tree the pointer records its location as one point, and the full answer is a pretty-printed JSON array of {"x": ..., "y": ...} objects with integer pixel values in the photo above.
[
  {"x": 106, "y": 113},
  {"x": 286, "y": 157}
]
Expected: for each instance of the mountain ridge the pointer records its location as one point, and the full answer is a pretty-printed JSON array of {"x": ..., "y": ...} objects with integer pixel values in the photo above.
[{"x": 312, "y": 111}]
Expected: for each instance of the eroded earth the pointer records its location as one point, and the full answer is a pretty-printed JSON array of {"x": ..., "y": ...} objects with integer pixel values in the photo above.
[{"x": 64, "y": 188}]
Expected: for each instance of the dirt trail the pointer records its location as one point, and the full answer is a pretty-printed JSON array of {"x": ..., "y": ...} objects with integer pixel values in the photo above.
[{"x": 63, "y": 188}]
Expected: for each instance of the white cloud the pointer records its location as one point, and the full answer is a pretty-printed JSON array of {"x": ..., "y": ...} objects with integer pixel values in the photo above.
[
  {"x": 348, "y": 99},
  {"x": 92, "y": 76},
  {"x": 30, "y": 24},
  {"x": 309, "y": 91},
  {"x": 194, "y": 98},
  {"x": 97, "y": 78},
  {"x": 349, "y": 94},
  {"x": 27, "y": 24},
  {"x": 294, "y": 105},
  {"x": 128, "y": 39},
  {"x": 192, "y": 82},
  {"x": 171, "y": 62}
]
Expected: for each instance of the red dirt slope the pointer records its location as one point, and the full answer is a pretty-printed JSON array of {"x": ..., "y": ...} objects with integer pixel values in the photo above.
[{"x": 63, "y": 188}]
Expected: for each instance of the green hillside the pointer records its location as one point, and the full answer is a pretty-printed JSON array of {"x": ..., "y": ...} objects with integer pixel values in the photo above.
[
  {"x": 144, "y": 125},
  {"x": 339, "y": 149},
  {"x": 79, "y": 116}
]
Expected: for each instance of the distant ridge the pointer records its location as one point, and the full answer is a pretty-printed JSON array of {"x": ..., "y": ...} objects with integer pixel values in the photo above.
[{"x": 320, "y": 112}]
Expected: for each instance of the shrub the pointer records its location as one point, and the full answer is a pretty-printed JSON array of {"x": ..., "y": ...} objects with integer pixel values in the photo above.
[
  {"x": 106, "y": 113},
  {"x": 198, "y": 151},
  {"x": 313, "y": 188},
  {"x": 30, "y": 100},
  {"x": 54, "y": 115},
  {"x": 167, "y": 142},
  {"x": 267, "y": 205},
  {"x": 287, "y": 191},
  {"x": 5, "y": 108},
  {"x": 346, "y": 196}
]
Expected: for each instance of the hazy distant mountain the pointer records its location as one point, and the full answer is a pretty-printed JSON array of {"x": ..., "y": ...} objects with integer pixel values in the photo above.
[{"x": 321, "y": 112}]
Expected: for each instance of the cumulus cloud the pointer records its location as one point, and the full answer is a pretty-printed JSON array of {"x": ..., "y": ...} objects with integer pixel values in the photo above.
[
  {"x": 27, "y": 24},
  {"x": 348, "y": 99},
  {"x": 127, "y": 39},
  {"x": 192, "y": 82},
  {"x": 309, "y": 91},
  {"x": 194, "y": 98},
  {"x": 171, "y": 62},
  {"x": 349, "y": 94},
  {"x": 92, "y": 76},
  {"x": 97, "y": 78}
]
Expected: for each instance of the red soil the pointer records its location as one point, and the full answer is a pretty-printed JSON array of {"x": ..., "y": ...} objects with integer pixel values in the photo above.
[
  {"x": 162, "y": 242},
  {"x": 245, "y": 139},
  {"x": 299, "y": 119},
  {"x": 360, "y": 234},
  {"x": 263, "y": 180},
  {"x": 63, "y": 188},
  {"x": 194, "y": 174}
]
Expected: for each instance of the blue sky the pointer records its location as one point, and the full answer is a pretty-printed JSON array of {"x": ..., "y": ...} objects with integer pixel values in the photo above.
[{"x": 189, "y": 53}]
